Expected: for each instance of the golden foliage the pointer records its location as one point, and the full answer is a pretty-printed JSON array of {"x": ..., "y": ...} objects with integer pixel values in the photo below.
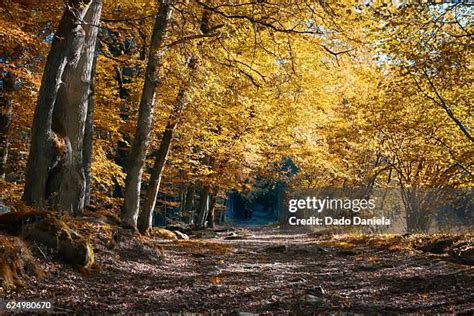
[{"x": 349, "y": 93}]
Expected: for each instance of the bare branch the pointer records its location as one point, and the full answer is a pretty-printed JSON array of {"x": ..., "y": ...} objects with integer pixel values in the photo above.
[
  {"x": 253, "y": 20},
  {"x": 185, "y": 39},
  {"x": 129, "y": 19},
  {"x": 335, "y": 54}
]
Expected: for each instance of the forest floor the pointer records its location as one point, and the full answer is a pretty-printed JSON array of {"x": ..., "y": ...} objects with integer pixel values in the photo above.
[{"x": 257, "y": 270}]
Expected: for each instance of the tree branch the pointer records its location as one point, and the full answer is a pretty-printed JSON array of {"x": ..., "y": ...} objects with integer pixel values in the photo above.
[
  {"x": 447, "y": 108},
  {"x": 253, "y": 20},
  {"x": 189, "y": 38},
  {"x": 128, "y": 19},
  {"x": 335, "y": 54}
]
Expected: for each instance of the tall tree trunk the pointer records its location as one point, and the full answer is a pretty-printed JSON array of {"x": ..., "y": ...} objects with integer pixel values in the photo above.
[
  {"x": 70, "y": 115},
  {"x": 145, "y": 118},
  {"x": 5, "y": 119},
  {"x": 89, "y": 134},
  {"x": 66, "y": 186},
  {"x": 146, "y": 214},
  {"x": 203, "y": 207},
  {"x": 54, "y": 167}
]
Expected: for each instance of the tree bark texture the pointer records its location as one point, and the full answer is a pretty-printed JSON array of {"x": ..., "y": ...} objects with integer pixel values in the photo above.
[
  {"x": 145, "y": 118},
  {"x": 89, "y": 134},
  {"x": 55, "y": 172},
  {"x": 146, "y": 213}
]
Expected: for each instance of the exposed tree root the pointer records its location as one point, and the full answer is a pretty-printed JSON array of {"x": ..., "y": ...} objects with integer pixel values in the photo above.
[
  {"x": 13, "y": 222},
  {"x": 55, "y": 233}
]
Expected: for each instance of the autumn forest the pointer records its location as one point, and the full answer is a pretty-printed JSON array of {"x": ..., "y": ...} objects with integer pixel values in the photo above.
[{"x": 184, "y": 156}]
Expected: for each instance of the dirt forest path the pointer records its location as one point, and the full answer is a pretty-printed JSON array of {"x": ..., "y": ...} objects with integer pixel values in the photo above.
[{"x": 258, "y": 271}]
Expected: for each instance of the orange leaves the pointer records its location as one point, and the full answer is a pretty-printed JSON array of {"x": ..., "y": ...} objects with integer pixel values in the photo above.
[{"x": 216, "y": 280}]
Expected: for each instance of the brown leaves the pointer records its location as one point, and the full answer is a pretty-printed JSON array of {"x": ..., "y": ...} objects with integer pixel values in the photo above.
[
  {"x": 216, "y": 280},
  {"x": 202, "y": 247}
]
